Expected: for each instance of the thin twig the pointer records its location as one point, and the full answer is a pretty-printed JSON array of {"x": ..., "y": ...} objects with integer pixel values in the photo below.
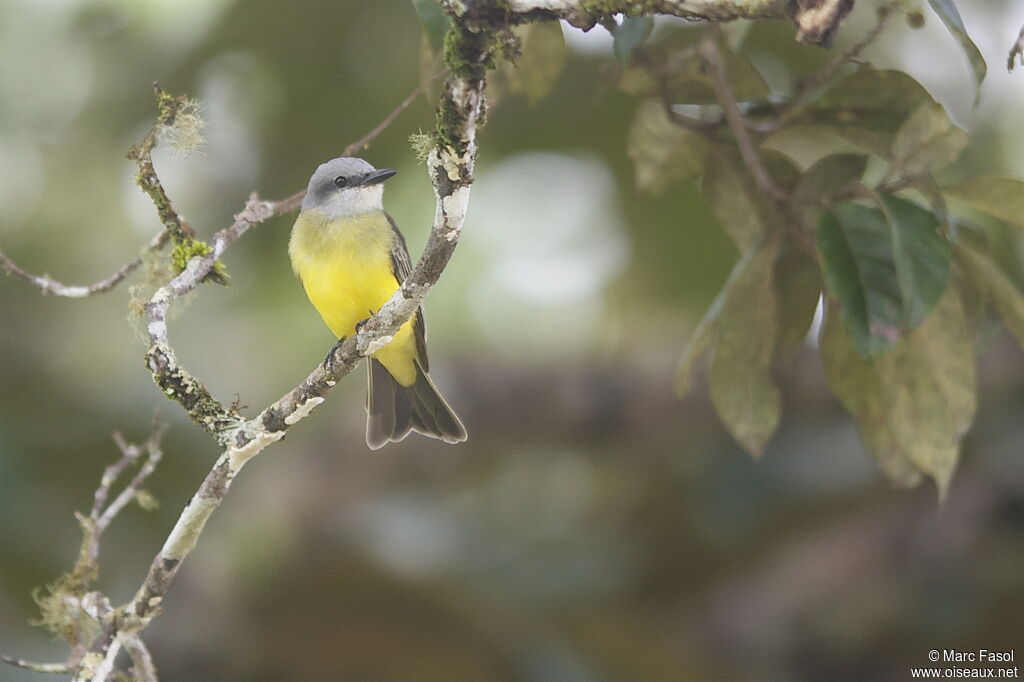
[
  {"x": 294, "y": 201},
  {"x": 748, "y": 149},
  {"x": 146, "y": 177},
  {"x": 142, "y": 661},
  {"x": 55, "y": 668},
  {"x": 50, "y": 286},
  {"x": 93, "y": 525},
  {"x": 810, "y": 85},
  {"x": 131, "y": 491},
  {"x": 1016, "y": 51},
  {"x": 369, "y": 137},
  {"x": 129, "y": 453},
  {"x": 737, "y": 124}
]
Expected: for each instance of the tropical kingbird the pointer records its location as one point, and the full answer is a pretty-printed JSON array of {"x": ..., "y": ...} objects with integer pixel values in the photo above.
[{"x": 351, "y": 258}]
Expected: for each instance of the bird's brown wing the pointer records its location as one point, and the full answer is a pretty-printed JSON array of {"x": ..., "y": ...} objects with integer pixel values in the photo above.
[{"x": 401, "y": 267}]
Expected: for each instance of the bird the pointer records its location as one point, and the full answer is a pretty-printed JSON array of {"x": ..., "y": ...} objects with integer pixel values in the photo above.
[{"x": 351, "y": 257}]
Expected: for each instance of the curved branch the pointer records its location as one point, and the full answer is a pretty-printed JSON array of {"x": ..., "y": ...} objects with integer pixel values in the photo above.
[
  {"x": 451, "y": 170},
  {"x": 452, "y": 177}
]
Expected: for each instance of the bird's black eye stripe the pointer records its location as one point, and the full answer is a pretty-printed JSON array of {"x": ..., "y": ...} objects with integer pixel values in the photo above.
[{"x": 340, "y": 181}]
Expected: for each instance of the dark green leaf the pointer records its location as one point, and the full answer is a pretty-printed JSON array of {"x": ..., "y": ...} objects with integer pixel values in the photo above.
[
  {"x": 433, "y": 21},
  {"x": 915, "y": 403},
  {"x": 663, "y": 153},
  {"x": 857, "y": 264},
  {"x": 1002, "y": 198},
  {"x": 946, "y": 9},
  {"x": 927, "y": 141},
  {"x": 830, "y": 176},
  {"x": 921, "y": 255},
  {"x": 745, "y": 330},
  {"x": 631, "y": 34},
  {"x": 887, "y": 269}
]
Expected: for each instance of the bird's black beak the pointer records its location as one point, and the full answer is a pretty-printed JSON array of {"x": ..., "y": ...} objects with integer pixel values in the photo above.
[{"x": 377, "y": 176}]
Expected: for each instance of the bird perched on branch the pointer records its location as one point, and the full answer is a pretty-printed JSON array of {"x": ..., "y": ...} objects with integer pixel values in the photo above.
[{"x": 351, "y": 258}]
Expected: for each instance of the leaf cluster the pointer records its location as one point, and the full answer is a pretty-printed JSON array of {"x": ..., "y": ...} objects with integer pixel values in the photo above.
[
  {"x": 871, "y": 232},
  {"x": 868, "y": 235}
]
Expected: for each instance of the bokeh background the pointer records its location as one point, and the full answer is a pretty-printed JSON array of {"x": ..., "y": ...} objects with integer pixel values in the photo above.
[{"x": 593, "y": 527}]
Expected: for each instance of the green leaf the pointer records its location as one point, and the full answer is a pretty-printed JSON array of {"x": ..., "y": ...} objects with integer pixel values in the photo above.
[
  {"x": 947, "y": 11},
  {"x": 798, "y": 288},
  {"x": 543, "y": 56},
  {"x": 855, "y": 381},
  {"x": 927, "y": 141},
  {"x": 868, "y": 107},
  {"x": 921, "y": 255},
  {"x": 830, "y": 176},
  {"x": 629, "y": 35},
  {"x": 742, "y": 209},
  {"x": 915, "y": 403},
  {"x": 745, "y": 328},
  {"x": 999, "y": 291},
  {"x": 887, "y": 269},
  {"x": 433, "y": 21},
  {"x": 663, "y": 153},
  {"x": 1001, "y": 198},
  {"x": 857, "y": 264}
]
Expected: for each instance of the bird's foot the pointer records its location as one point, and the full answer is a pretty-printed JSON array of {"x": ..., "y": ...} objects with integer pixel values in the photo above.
[{"x": 326, "y": 364}]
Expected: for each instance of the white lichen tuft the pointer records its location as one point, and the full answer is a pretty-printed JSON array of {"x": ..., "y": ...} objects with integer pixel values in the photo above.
[
  {"x": 88, "y": 665},
  {"x": 422, "y": 144},
  {"x": 375, "y": 345},
  {"x": 185, "y": 135},
  {"x": 261, "y": 439},
  {"x": 303, "y": 410}
]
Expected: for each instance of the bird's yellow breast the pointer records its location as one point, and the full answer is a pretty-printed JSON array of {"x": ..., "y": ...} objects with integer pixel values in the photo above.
[{"x": 345, "y": 268}]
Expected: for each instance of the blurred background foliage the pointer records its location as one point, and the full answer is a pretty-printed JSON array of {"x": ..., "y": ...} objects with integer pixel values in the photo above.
[{"x": 593, "y": 528}]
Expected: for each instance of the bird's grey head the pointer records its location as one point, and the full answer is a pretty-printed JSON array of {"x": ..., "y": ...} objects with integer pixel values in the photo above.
[{"x": 346, "y": 186}]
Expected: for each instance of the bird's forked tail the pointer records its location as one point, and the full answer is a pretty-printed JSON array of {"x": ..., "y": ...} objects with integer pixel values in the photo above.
[{"x": 394, "y": 410}]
